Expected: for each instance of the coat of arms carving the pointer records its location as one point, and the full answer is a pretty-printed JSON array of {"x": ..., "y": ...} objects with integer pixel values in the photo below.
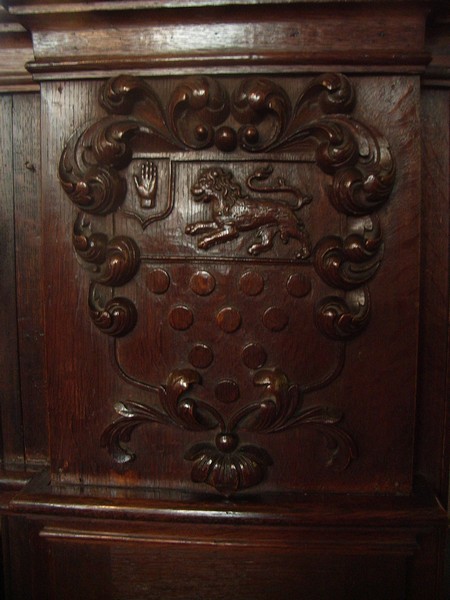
[{"x": 248, "y": 215}]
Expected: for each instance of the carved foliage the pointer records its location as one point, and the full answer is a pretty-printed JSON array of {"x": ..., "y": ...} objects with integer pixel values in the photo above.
[
  {"x": 111, "y": 262},
  {"x": 196, "y": 106},
  {"x": 257, "y": 118},
  {"x": 343, "y": 318},
  {"x": 227, "y": 465},
  {"x": 351, "y": 262},
  {"x": 116, "y": 316}
]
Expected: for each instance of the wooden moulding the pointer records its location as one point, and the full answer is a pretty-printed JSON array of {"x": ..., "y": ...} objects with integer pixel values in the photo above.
[
  {"x": 92, "y": 38},
  {"x": 437, "y": 43},
  {"x": 40, "y": 497},
  {"x": 15, "y": 52}
]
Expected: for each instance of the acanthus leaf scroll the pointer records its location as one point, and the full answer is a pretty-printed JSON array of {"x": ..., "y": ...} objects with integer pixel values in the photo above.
[{"x": 255, "y": 118}]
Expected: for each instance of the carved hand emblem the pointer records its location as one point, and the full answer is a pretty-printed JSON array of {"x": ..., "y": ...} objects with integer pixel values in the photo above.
[{"x": 146, "y": 184}]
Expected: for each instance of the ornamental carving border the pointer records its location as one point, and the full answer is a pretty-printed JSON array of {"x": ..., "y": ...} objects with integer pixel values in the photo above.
[{"x": 256, "y": 118}]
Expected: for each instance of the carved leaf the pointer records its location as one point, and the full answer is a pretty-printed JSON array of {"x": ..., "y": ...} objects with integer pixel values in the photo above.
[
  {"x": 264, "y": 109},
  {"x": 89, "y": 163},
  {"x": 349, "y": 263},
  {"x": 191, "y": 414},
  {"x": 118, "y": 434},
  {"x": 121, "y": 94},
  {"x": 116, "y": 261},
  {"x": 341, "y": 447},
  {"x": 363, "y": 188},
  {"x": 195, "y": 107},
  {"x": 90, "y": 247},
  {"x": 94, "y": 189},
  {"x": 276, "y": 407},
  {"x": 340, "y": 318},
  {"x": 331, "y": 92},
  {"x": 228, "y": 472},
  {"x": 121, "y": 263},
  {"x": 116, "y": 317}
]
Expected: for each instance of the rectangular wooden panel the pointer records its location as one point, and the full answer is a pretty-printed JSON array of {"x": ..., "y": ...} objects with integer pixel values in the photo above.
[
  {"x": 213, "y": 572},
  {"x": 432, "y": 432},
  {"x": 278, "y": 318},
  {"x": 28, "y": 241},
  {"x": 11, "y": 412}
]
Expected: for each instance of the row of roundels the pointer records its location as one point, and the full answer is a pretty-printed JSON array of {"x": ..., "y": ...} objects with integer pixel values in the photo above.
[{"x": 251, "y": 283}]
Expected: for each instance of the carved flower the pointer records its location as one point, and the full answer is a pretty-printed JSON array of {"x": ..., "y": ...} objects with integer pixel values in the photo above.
[{"x": 227, "y": 467}]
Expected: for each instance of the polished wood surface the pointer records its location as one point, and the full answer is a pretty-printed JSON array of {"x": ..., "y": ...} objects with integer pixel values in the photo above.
[{"x": 225, "y": 298}]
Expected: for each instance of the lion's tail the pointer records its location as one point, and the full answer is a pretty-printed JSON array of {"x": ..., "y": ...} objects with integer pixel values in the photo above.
[{"x": 301, "y": 201}]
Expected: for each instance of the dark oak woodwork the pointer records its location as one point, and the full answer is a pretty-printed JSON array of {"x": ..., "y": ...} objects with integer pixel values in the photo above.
[
  {"x": 225, "y": 296},
  {"x": 15, "y": 43}
]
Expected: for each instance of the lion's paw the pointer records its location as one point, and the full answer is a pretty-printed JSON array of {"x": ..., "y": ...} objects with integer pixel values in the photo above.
[
  {"x": 304, "y": 253},
  {"x": 254, "y": 250}
]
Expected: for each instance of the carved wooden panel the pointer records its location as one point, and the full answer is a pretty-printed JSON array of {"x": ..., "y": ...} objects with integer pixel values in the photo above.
[{"x": 240, "y": 237}]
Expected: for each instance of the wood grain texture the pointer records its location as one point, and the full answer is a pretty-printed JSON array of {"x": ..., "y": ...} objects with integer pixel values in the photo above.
[
  {"x": 15, "y": 52},
  {"x": 302, "y": 34},
  {"x": 29, "y": 280},
  {"x": 434, "y": 356},
  {"x": 10, "y": 406},
  {"x": 438, "y": 71}
]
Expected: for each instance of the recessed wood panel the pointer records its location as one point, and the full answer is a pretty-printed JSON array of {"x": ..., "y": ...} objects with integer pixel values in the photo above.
[{"x": 293, "y": 300}]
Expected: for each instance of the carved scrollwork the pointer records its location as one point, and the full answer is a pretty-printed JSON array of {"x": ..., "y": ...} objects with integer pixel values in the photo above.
[
  {"x": 264, "y": 109},
  {"x": 227, "y": 465},
  {"x": 280, "y": 408},
  {"x": 362, "y": 188},
  {"x": 343, "y": 318},
  {"x": 176, "y": 409},
  {"x": 258, "y": 118},
  {"x": 332, "y": 91},
  {"x": 88, "y": 169},
  {"x": 115, "y": 317},
  {"x": 89, "y": 246},
  {"x": 196, "y": 106},
  {"x": 121, "y": 94},
  {"x": 118, "y": 434},
  {"x": 351, "y": 262},
  {"x": 114, "y": 262}
]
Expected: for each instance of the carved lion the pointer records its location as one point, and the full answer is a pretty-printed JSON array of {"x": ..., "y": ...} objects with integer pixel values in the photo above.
[{"x": 233, "y": 213}]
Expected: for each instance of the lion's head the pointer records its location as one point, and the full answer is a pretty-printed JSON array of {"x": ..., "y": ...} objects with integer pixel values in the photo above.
[{"x": 216, "y": 183}]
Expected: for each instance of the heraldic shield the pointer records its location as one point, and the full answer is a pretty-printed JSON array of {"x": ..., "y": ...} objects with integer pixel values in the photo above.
[{"x": 229, "y": 229}]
